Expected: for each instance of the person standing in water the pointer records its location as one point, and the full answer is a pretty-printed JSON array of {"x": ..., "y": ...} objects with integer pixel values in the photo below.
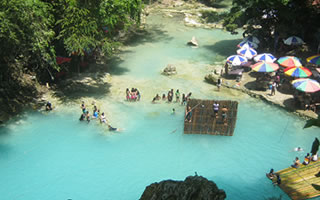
[
  {"x": 188, "y": 114},
  {"x": 177, "y": 96}
]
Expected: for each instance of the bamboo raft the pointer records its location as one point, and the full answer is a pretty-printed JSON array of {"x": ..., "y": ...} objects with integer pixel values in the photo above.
[
  {"x": 203, "y": 120},
  {"x": 301, "y": 183}
]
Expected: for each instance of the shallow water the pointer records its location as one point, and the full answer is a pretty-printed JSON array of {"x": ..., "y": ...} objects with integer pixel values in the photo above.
[{"x": 54, "y": 156}]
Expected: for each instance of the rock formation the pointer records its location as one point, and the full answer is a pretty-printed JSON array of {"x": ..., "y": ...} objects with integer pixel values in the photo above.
[
  {"x": 169, "y": 70},
  {"x": 193, "y": 42},
  {"x": 192, "y": 188}
]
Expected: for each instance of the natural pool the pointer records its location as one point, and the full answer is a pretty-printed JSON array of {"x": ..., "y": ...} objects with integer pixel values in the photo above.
[{"x": 54, "y": 156}]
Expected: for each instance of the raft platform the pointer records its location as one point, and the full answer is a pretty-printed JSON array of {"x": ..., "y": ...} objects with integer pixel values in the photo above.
[
  {"x": 203, "y": 120},
  {"x": 301, "y": 183}
]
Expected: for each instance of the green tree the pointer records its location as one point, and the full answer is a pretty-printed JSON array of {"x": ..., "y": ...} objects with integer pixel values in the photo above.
[{"x": 285, "y": 17}]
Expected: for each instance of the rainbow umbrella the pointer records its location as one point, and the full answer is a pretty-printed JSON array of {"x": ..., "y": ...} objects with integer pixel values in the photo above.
[
  {"x": 300, "y": 72},
  {"x": 247, "y": 52},
  {"x": 314, "y": 59},
  {"x": 236, "y": 60},
  {"x": 266, "y": 57},
  {"x": 306, "y": 85},
  {"x": 265, "y": 67},
  {"x": 247, "y": 44},
  {"x": 289, "y": 61}
]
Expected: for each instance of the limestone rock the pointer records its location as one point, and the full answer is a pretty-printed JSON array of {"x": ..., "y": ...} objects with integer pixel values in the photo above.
[
  {"x": 212, "y": 78},
  {"x": 193, "y": 41},
  {"x": 169, "y": 70},
  {"x": 192, "y": 188}
]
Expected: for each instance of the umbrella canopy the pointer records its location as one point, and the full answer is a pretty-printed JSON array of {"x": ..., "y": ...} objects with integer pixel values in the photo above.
[
  {"x": 247, "y": 52},
  {"x": 265, "y": 67},
  {"x": 300, "y": 72},
  {"x": 315, "y": 146},
  {"x": 314, "y": 59},
  {"x": 236, "y": 60},
  {"x": 289, "y": 61},
  {"x": 251, "y": 39},
  {"x": 247, "y": 44},
  {"x": 293, "y": 40},
  {"x": 306, "y": 85},
  {"x": 266, "y": 57}
]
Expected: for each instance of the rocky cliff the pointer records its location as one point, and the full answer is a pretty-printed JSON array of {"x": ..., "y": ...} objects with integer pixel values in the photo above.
[{"x": 192, "y": 188}]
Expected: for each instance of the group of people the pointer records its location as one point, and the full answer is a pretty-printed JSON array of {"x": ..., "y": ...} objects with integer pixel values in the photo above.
[
  {"x": 275, "y": 177},
  {"x": 133, "y": 94},
  {"x": 307, "y": 159},
  {"x": 170, "y": 97},
  {"x": 85, "y": 116},
  {"x": 224, "y": 111}
]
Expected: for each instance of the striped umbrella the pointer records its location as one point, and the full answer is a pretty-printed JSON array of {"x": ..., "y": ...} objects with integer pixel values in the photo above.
[
  {"x": 289, "y": 61},
  {"x": 251, "y": 39},
  {"x": 266, "y": 57},
  {"x": 293, "y": 40},
  {"x": 265, "y": 67},
  {"x": 299, "y": 72},
  {"x": 247, "y": 52},
  {"x": 236, "y": 60},
  {"x": 247, "y": 44},
  {"x": 306, "y": 85},
  {"x": 314, "y": 59}
]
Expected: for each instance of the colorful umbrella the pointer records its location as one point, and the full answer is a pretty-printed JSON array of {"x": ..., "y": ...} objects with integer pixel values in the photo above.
[
  {"x": 314, "y": 59},
  {"x": 265, "y": 67},
  {"x": 247, "y": 52},
  {"x": 251, "y": 39},
  {"x": 266, "y": 57},
  {"x": 236, "y": 60},
  {"x": 247, "y": 44},
  {"x": 289, "y": 61},
  {"x": 306, "y": 85},
  {"x": 293, "y": 40},
  {"x": 300, "y": 72}
]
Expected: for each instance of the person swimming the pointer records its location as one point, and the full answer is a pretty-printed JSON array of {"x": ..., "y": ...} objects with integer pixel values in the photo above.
[
  {"x": 173, "y": 111},
  {"x": 82, "y": 117}
]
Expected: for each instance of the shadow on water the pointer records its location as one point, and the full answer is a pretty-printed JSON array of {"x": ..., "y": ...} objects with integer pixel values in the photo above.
[
  {"x": 154, "y": 32},
  {"x": 73, "y": 90},
  {"x": 223, "y": 48}
]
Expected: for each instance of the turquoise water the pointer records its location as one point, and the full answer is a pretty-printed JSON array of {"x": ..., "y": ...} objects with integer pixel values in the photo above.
[{"x": 54, "y": 156}]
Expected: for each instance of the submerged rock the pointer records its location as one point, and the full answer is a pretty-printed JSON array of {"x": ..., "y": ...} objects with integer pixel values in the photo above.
[
  {"x": 169, "y": 70},
  {"x": 192, "y": 188}
]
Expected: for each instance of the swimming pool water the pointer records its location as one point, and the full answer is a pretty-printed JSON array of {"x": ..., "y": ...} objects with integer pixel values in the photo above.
[{"x": 53, "y": 156}]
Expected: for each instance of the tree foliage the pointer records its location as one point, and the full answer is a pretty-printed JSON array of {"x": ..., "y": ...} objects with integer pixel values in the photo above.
[
  {"x": 33, "y": 32},
  {"x": 284, "y": 17}
]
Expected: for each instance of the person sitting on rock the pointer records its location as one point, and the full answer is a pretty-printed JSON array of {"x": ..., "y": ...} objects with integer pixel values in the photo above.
[{"x": 48, "y": 106}]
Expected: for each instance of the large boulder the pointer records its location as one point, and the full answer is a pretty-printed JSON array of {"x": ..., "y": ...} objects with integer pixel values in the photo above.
[
  {"x": 169, "y": 70},
  {"x": 192, "y": 188},
  {"x": 193, "y": 42}
]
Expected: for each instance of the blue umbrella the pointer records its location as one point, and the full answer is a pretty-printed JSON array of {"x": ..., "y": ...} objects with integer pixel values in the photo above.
[
  {"x": 247, "y": 52},
  {"x": 293, "y": 40},
  {"x": 236, "y": 60},
  {"x": 265, "y": 57},
  {"x": 247, "y": 44}
]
